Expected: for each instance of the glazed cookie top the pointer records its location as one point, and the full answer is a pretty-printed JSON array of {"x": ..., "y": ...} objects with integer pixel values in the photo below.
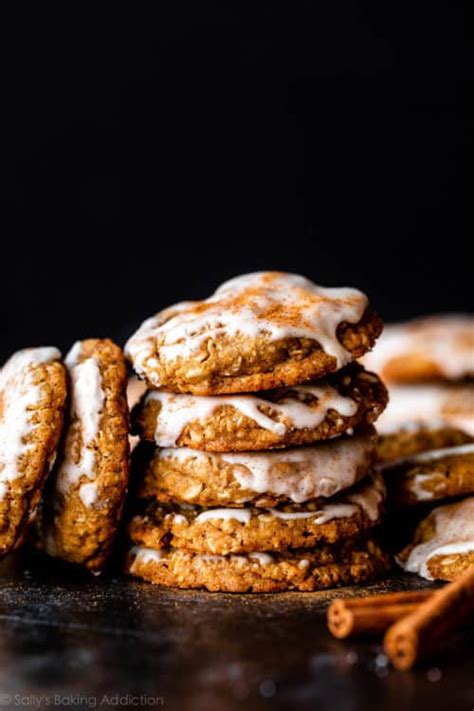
[
  {"x": 20, "y": 396},
  {"x": 436, "y": 347},
  {"x": 294, "y": 475},
  {"x": 432, "y": 406},
  {"x": 448, "y": 530},
  {"x": 297, "y": 415},
  {"x": 271, "y": 306}
]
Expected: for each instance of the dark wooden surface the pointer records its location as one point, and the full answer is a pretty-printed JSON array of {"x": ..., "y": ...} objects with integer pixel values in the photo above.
[{"x": 65, "y": 635}]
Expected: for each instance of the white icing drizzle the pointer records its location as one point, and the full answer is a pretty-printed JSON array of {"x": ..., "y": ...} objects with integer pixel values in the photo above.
[
  {"x": 241, "y": 559},
  {"x": 320, "y": 516},
  {"x": 429, "y": 455},
  {"x": 367, "y": 497},
  {"x": 262, "y": 558},
  {"x": 224, "y": 514},
  {"x": 413, "y": 407},
  {"x": 146, "y": 555},
  {"x": 179, "y": 410},
  {"x": 150, "y": 555},
  {"x": 454, "y": 533},
  {"x": 20, "y": 396},
  {"x": 88, "y": 494},
  {"x": 179, "y": 519},
  {"x": 321, "y": 471},
  {"x": 246, "y": 305},
  {"x": 87, "y": 402},
  {"x": 417, "y": 486},
  {"x": 446, "y": 340},
  {"x": 434, "y": 454}
]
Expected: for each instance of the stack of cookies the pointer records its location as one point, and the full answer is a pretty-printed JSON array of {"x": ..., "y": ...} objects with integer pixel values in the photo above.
[
  {"x": 259, "y": 424},
  {"x": 427, "y": 445}
]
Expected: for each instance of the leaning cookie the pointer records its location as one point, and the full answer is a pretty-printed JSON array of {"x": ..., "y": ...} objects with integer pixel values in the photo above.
[
  {"x": 32, "y": 399},
  {"x": 256, "y": 332},
  {"x": 84, "y": 498},
  {"x": 443, "y": 546},
  {"x": 237, "y": 530},
  {"x": 320, "y": 568},
  {"x": 431, "y": 476},
  {"x": 286, "y": 417},
  {"x": 263, "y": 479},
  {"x": 436, "y": 347}
]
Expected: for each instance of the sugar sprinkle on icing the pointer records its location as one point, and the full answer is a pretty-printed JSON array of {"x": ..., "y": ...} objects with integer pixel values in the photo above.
[{"x": 276, "y": 304}]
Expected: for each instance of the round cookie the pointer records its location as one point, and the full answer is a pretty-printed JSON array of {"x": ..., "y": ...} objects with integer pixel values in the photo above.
[
  {"x": 32, "y": 399},
  {"x": 406, "y": 443},
  {"x": 286, "y": 417},
  {"x": 243, "y": 530},
  {"x": 443, "y": 546},
  {"x": 324, "y": 567},
  {"x": 428, "y": 407},
  {"x": 85, "y": 496},
  {"x": 431, "y": 476},
  {"x": 258, "y": 478},
  {"x": 256, "y": 332},
  {"x": 436, "y": 347}
]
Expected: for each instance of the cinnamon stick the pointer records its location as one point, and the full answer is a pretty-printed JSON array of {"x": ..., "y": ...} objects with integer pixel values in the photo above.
[
  {"x": 375, "y": 613},
  {"x": 423, "y": 632}
]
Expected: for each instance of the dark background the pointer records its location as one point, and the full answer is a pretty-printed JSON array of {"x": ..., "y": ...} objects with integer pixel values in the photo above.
[{"x": 146, "y": 158}]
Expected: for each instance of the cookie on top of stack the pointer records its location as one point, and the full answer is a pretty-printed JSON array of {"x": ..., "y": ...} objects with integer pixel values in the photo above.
[
  {"x": 427, "y": 445},
  {"x": 260, "y": 476}
]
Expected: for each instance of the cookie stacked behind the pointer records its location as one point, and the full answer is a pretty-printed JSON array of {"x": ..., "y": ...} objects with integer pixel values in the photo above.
[
  {"x": 428, "y": 364},
  {"x": 427, "y": 445},
  {"x": 261, "y": 477}
]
